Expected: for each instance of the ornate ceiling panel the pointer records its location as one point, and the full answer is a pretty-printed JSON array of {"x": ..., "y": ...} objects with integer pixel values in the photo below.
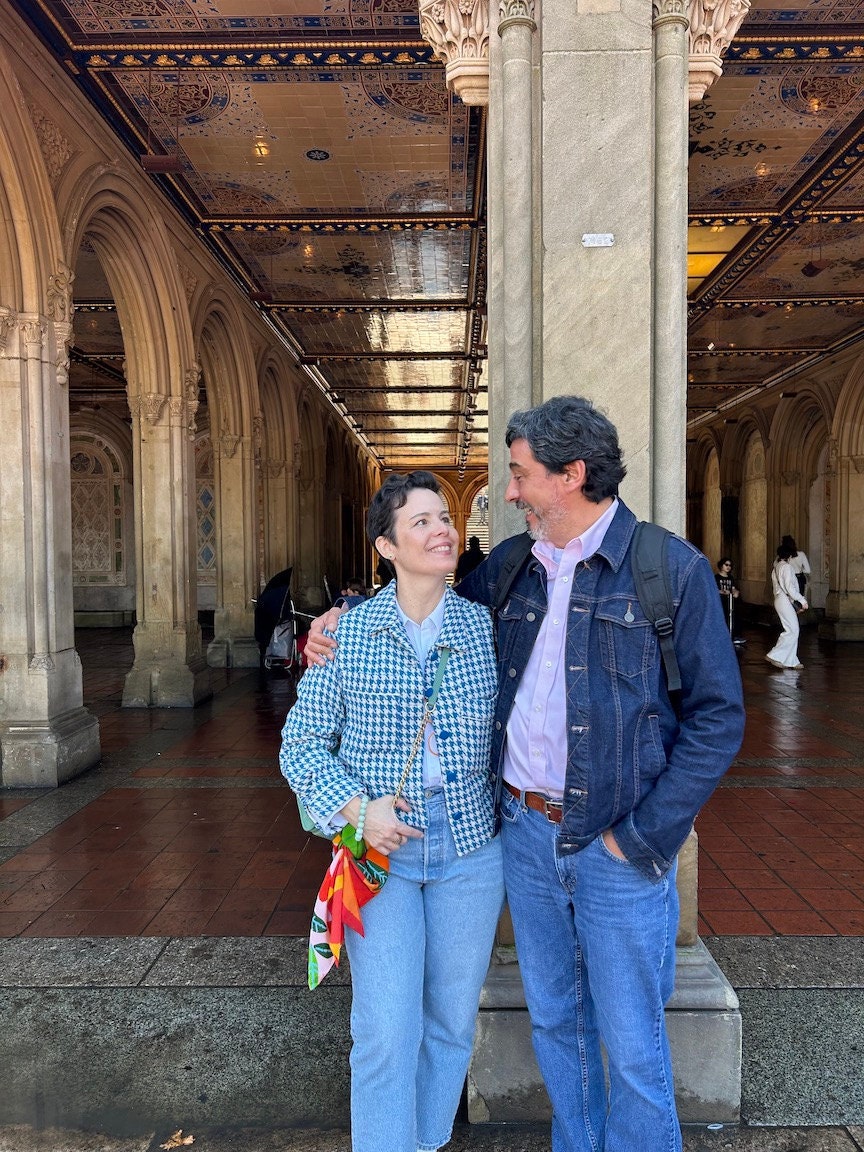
[
  {"x": 777, "y": 201},
  {"x": 315, "y": 148}
]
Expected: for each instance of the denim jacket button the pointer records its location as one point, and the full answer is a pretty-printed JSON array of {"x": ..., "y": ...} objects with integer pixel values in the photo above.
[
  {"x": 512, "y": 672},
  {"x": 530, "y": 616},
  {"x": 498, "y": 725}
]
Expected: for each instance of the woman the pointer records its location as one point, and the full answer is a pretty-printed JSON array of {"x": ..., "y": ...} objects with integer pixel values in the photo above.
[
  {"x": 798, "y": 562},
  {"x": 729, "y": 593},
  {"x": 784, "y": 654},
  {"x": 418, "y": 969}
]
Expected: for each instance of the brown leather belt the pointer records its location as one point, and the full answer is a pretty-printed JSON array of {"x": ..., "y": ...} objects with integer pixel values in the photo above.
[{"x": 552, "y": 809}]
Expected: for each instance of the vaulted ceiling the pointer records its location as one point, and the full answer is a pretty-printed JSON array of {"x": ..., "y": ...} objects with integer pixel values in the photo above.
[{"x": 313, "y": 147}]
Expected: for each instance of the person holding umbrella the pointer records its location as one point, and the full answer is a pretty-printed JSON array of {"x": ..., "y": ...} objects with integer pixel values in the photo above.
[{"x": 415, "y": 669}]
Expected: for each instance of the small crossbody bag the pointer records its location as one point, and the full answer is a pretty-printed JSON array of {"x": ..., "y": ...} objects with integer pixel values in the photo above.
[{"x": 306, "y": 818}]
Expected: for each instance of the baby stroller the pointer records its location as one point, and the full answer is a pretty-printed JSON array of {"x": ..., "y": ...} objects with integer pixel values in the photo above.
[{"x": 277, "y": 627}]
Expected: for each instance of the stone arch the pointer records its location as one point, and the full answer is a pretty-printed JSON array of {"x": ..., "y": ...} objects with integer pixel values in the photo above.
[
  {"x": 279, "y": 473},
  {"x": 228, "y": 363},
  {"x": 31, "y": 253},
  {"x": 132, "y": 245},
  {"x": 847, "y": 425},
  {"x": 46, "y": 735},
  {"x": 162, "y": 380},
  {"x": 698, "y": 452}
]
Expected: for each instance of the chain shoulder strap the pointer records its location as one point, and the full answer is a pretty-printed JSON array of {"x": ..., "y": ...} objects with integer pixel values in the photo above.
[{"x": 427, "y": 716}]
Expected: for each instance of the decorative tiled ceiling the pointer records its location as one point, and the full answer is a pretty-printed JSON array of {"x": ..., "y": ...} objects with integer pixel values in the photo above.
[
  {"x": 317, "y": 151},
  {"x": 777, "y": 201},
  {"x": 319, "y": 155}
]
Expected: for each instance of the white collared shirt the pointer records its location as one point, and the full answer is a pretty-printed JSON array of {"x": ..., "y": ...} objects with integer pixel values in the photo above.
[{"x": 535, "y": 752}]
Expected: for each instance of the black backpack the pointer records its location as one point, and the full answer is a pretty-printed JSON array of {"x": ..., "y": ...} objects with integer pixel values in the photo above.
[{"x": 650, "y": 575}]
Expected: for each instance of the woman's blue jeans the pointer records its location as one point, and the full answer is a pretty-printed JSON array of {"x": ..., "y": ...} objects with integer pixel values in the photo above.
[
  {"x": 416, "y": 977},
  {"x": 596, "y": 946}
]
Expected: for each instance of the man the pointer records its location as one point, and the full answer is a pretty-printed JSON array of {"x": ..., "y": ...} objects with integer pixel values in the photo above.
[{"x": 599, "y": 779}]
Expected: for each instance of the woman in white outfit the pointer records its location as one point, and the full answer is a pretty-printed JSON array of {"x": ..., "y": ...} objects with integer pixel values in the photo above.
[
  {"x": 787, "y": 595},
  {"x": 798, "y": 562}
]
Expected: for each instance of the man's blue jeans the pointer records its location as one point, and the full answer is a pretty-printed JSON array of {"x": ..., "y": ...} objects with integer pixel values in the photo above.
[
  {"x": 416, "y": 976},
  {"x": 596, "y": 947}
]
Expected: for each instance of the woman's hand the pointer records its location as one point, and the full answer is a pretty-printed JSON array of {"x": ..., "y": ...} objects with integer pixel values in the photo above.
[
  {"x": 320, "y": 648},
  {"x": 382, "y": 829}
]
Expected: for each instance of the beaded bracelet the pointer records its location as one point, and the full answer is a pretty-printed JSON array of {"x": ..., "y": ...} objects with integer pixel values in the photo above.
[{"x": 361, "y": 817}]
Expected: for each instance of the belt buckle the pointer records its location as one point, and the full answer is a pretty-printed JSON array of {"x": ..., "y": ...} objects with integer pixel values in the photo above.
[{"x": 553, "y": 806}]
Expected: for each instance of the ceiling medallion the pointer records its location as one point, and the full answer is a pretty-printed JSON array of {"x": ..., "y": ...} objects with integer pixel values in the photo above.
[{"x": 317, "y": 154}]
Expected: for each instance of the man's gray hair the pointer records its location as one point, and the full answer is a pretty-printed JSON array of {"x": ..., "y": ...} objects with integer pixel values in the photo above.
[{"x": 568, "y": 428}]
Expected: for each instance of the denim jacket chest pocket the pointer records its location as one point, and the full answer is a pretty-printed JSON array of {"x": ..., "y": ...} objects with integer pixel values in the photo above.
[{"x": 627, "y": 638}]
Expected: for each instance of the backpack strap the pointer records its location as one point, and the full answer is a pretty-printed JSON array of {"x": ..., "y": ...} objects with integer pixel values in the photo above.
[
  {"x": 651, "y": 577},
  {"x": 517, "y": 554}
]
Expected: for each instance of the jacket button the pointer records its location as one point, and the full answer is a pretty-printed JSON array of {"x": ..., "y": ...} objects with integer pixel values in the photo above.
[
  {"x": 498, "y": 725},
  {"x": 444, "y": 734},
  {"x": 531, "y": 617},
  {"x": 512, "y": 672}
]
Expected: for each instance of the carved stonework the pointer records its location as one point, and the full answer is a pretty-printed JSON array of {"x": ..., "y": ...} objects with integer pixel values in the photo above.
[
  {"x": 33, "y": 332},
  {"x": 273, "y": 469},
  {"x": 298, "y": 458},
  {"x": 515, "y": 10},
  {"x": 42, "y": 662},
  {"x": 790, "y": 478},
  {"x": 150, "y": 406},
  {"x": 713, "y": 24},
  {"x": 192, "y": 383},
  {"x": 228, "y": 445},
  {"x": 669, "y": 9},
  {"x": 55, "y": 148},
  {"x": 458, "y": 31},
  {"x": 858, "y": 463},
  {"x": 7, "y": 326},
  {"x": 63, "y": 337},
  {"x": 59, "y": 303},
  {"x": 190, "y": 282}
]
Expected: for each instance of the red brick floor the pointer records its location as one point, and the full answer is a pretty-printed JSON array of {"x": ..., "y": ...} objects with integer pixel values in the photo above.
[{"x": 191, "y": 831}]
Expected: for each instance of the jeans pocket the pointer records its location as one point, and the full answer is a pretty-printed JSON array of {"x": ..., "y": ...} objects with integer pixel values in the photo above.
[
  {"x": 509, "y": 806},
  {"x": 601, "y": 844}
]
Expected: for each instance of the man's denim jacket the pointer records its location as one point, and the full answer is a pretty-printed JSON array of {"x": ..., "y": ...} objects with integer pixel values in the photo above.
[{"x": 632, "y": 765}]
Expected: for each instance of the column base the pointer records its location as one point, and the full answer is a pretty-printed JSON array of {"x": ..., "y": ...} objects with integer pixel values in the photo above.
[
  {"x": 233, "y": 652},
  {"x": 704, "y": 1025},
  {"x": 167, "y": 685},
  {"x": 44, "y": 754},
  {"x": 841, "y": 630}
]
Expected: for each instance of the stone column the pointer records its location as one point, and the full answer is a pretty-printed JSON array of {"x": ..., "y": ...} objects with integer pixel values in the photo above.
[
  {"x": 46, "y": 735},
  {"x": 669, "y": 379},
  {"x": 169, "y": 669},
  {"x": 233, "y": 643},
  {"x": 512, "y": 266},
  {"x": 844, "y": 605}
]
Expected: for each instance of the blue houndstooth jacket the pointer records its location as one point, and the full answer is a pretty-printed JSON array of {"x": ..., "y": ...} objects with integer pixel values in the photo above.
[{"x": 355, "y": 720}]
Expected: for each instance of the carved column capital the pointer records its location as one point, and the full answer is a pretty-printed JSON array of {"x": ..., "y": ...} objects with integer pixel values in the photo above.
[
  {"x": 32, "y": 332},
  {"x": 713, "y": 24},
  {"x": 148, "y": 405},
  {"x": 515, "y": 11},
  {"x": 458, "y": 31},
  {"x": 273, "y": 469},
  {"x": 227, "y": 444},
  {"x": 668, "y": 11}
]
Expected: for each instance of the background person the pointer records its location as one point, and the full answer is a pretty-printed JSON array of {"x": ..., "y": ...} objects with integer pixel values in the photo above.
[
  {"x": 417, "y": 972},
  {"x": 729, "y": 593},
  {"x": 798, "y": 562},
  {"x": 469, "y": 559},
  {"x": 788, "y": 602}
]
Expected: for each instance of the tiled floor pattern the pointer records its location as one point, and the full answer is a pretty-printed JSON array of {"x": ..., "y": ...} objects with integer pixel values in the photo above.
[{"x": 188, "y": 829}]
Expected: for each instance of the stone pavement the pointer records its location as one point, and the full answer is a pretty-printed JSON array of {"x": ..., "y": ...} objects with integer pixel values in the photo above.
[{"x": 466, "y": 1139}]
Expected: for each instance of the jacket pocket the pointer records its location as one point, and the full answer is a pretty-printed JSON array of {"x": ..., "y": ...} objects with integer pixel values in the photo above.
[{"x": 626, "y": 637}]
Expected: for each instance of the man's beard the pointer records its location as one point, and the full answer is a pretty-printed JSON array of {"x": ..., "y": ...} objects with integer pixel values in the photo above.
[{"x": 543, "y": 521}]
